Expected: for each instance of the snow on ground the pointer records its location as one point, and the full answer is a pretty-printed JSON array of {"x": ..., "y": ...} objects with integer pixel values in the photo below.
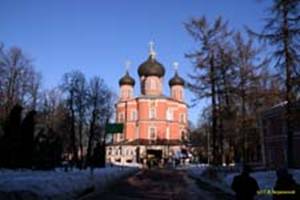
[
  {"x": 58, "y": 184},
  {"x": 265, "y": 179},
  {"x": 138, "y": 165},
  {"x": 197, "y": 171}
]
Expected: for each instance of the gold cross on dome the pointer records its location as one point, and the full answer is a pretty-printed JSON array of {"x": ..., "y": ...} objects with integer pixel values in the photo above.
[
  {"x": 151, "y": 49},
  {"x": 127, "y": 65},
  {"x": 175, "y": 65}
]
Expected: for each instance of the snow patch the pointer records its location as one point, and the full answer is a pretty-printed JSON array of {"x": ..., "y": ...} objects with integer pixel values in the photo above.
[
  {"x": 58, "y": 184},
  {"x": 265, "y": 179}
]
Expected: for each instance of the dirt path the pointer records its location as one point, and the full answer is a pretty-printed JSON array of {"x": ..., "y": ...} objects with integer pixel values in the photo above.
[{"x": 157, "y": 184}]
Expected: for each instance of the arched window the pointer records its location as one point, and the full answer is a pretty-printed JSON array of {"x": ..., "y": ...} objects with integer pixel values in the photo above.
[
  {"x": 179, "y": 94},
  {"x": 121, "y": 117},
  {"x": 169, "y": 114},
  {"x": 133, "y": 115},
  {"x": 152, "y": 113},
  {"x": 151, "y": 84},
  {"x": 152, "y": 133},
  {"x": 182, "y": 117},
  {"x": 128, "y": 93}
]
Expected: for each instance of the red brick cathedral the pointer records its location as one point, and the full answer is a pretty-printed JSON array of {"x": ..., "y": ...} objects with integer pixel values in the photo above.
[{"x": 155, "y": 125}]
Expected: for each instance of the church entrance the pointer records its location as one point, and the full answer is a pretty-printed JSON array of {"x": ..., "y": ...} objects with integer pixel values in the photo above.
[{"x": 154, "y": 157}]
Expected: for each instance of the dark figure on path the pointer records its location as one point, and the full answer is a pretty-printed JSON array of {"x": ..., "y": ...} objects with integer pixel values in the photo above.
[
  {"x": 244, "y": 185},
  {"x": 285, "y": 182}
]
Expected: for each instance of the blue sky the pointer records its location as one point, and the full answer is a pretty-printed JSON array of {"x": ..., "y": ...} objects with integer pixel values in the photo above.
[{"x": 98, "y": 36}]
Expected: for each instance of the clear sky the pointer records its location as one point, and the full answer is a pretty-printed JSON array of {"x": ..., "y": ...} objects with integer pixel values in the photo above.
[{"x": 98, "y": 36}]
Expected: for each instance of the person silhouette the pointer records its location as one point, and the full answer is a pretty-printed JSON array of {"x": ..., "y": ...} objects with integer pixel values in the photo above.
[
  {"x": 244, "y": 185},
  {"x": 284, "y": 182}
]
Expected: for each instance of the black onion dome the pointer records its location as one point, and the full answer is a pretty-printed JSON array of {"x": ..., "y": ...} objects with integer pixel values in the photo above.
[
  {"x": 151, "y": 67},
  {"x": 176, "y": 80},
  {"x": 126, "y": 80}
]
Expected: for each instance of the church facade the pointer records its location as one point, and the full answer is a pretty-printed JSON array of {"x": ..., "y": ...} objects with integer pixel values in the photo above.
[{"x": 155, "y": 125}]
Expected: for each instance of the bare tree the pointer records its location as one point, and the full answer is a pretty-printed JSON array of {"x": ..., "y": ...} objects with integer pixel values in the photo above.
[
  {"x": 49, "y": 108},
  {"x": 224, "y": 85},
  {"x": 34, "y": 90},
  {"x": 233, "y": 73},
  {"x": 100, "y": 101},
  {"x": 68, "y": 87},
  {"x": 20, "y": 82},
  {"x": 205, "y": 78},
  {"x": 247, "y": 69},
  {"x": 282, "y": 32},
  {"x": 80, "y": 89}
]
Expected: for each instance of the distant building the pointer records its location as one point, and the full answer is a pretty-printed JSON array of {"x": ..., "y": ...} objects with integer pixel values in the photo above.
[
  {"x": 155, "y": 125},
  {"x": 275, "y": 135}
]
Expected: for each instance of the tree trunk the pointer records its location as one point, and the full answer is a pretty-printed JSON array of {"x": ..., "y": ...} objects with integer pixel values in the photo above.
[
  {"x": 289, "y": 131},
  {"x": 220, "y": 130},
  {"x": 214, "y": 110},
  {"x": 73, "y": 136},
  {"x": 91, "y": 136},
  {"x": 80, "y": 143}
]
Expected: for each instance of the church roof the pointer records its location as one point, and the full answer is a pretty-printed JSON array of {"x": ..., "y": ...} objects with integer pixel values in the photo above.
[
  {"x": 151, "y": 67},
  {"x": 176, "y": 80},
  {"x": 127, "y": 80}
]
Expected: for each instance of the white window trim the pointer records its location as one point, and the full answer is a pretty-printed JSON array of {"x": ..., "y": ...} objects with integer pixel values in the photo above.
[
  {"x": 168, "y": 133},
  {"x": 150, "y": 113},
  {"x": 121, "y": 117},
  {"x": 151, "y": 83},
  {"x": 128, "y": 93},
  {"x": 182, "y": 118},
  {"x": 149, "y": 133},
  {"x": 134, "y": 115},
  {"x": 179, "y": 94},
  {"x": 169, "y": 114}
]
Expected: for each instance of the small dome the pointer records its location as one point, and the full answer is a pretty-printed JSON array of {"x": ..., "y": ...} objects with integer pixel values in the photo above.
[
  {"x": 126, "y": 80},
  {"x": 151, "y": 67},
  {"x": 176, "y": 80}
]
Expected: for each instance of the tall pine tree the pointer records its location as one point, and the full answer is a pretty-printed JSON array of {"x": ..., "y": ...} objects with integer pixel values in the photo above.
[
  {"x": 282, "y": 32},
  {"x": 205, "y": 79}
]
